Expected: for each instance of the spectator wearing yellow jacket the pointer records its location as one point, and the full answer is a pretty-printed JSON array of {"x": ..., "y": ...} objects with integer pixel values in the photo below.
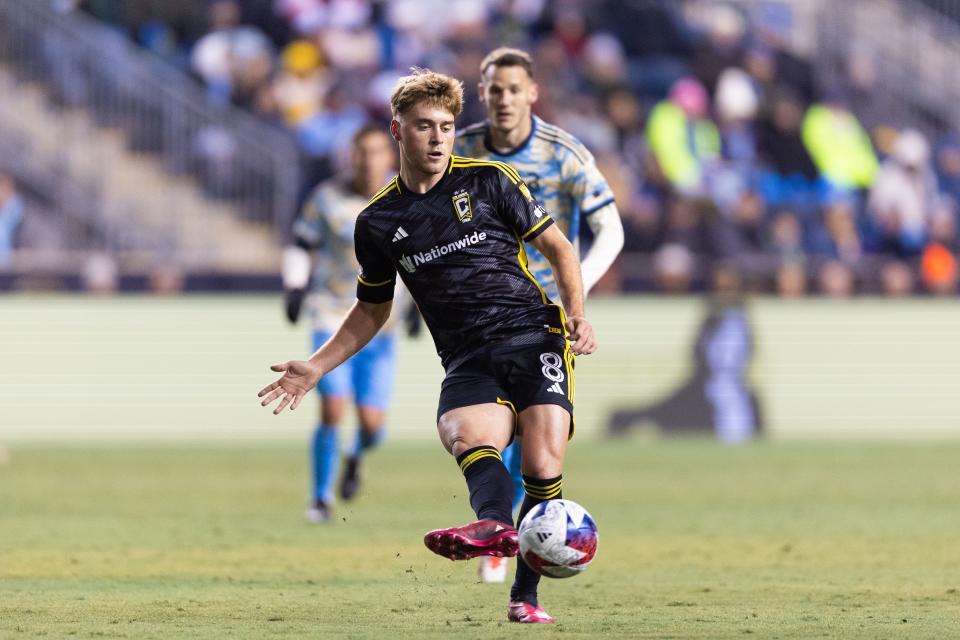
[
  {"x": 839, "y": 146},
  {"x": 681, "y": 136}
]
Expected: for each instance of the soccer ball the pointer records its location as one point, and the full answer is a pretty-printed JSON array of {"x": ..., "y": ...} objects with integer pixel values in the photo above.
[{"x": 558, "y": 538}]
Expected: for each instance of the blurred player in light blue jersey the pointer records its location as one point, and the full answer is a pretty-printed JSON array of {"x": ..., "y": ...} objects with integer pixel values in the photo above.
[
  {"x": 562, "y": 176},
  {"x": 324, "y": 246}
]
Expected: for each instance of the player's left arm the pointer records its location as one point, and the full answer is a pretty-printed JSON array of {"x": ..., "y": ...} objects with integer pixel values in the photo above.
[
  {"x": 593, "y": 194},
  {"x": 607, "y": 243},
  {"x": 566, "y": 269},
  {"x": 533, "y": 224}
]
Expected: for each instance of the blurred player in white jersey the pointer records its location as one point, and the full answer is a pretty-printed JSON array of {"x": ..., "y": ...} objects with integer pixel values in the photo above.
[
  {"x": 562, "y": 176},
  {"x": 320, "y": 274}
]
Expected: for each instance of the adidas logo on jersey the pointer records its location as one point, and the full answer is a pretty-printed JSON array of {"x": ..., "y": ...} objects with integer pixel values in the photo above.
[
  {"x": 410, "y": 263},
  {"x": 555, "y": 387},
  {"x": 400, "y": 234}
]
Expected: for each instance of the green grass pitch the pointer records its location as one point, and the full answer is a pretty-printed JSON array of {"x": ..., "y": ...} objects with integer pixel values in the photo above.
[
  {"x": 105, "y": 536},
  {"x": 779, "y": 540}
]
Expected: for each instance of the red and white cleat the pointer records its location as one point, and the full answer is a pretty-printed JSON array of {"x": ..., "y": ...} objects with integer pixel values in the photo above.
[
  {"x": 480, "y": 538},
  {"x": 527, "y": 613}
]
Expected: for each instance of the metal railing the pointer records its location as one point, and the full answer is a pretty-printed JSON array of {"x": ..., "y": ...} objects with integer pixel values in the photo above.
[
  {"x": 235, "y": 160},
  {"x": 908, "y": 48},
  {"x": 911, "y": 52}
]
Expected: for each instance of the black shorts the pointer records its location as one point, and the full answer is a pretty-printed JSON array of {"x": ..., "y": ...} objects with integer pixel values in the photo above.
[{"x": 518, "y": 376}]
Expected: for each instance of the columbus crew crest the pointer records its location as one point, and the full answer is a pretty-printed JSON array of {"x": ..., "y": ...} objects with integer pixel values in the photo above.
[{"x": 461, "y": 204}]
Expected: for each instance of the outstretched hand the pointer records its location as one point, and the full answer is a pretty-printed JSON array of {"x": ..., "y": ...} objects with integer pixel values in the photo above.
[
  {"x": 299, "y": 376},
  {"x": 581, "y": 337}
]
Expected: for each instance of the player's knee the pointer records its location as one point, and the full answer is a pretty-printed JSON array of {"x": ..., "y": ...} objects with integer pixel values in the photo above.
[
  {"x": 456, "y": 443},
  {"x": 371, "y": 427},
  {"x": 332, "y": 410},
  {"x": 543, "y": 467},
  {"x": 371, "y": 420},
  {"x": 542, "y": 458},
  {"x": 455, "y": 439}
]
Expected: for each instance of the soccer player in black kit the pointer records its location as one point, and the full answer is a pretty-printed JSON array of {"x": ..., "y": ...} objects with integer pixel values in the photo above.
[{"x": 454, "y": 229}]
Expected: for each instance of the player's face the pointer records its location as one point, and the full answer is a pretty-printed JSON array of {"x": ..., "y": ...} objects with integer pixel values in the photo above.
[
  {"x": 509, "y": 94},
  {"x": 425, "y": 133},
  {"x": 373, "y": 158}
]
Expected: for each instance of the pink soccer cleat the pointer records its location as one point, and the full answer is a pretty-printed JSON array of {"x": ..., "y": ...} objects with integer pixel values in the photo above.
[
  {"x": 527, "y": 613},
  {"x": 480, "y": 538}
]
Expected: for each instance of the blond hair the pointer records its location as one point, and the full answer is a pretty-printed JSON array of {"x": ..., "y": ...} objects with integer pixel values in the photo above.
[
  {"x": 508, "y": 57},
  {"x": 424, "y": 85}
]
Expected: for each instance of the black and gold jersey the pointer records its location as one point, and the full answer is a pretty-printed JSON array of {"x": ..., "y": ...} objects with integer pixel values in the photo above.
[{"x": 459, "y": 250}]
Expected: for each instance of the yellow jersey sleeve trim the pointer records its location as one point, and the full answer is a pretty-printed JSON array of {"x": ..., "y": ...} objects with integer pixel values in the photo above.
[
  {"x": 382, "y": 192},
  {"x": 546, "y": 219},
  {"x": 374, "y": 284},
  {"x": 387, "y": 189},
  {"x": 509, "y": 171}
]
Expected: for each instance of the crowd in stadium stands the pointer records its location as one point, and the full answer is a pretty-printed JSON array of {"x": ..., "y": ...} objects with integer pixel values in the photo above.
[{"x": 719, "y": 143}]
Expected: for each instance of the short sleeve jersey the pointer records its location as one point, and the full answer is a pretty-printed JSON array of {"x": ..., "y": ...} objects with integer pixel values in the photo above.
[
  {"x": 561, "y": 174},
  {"x": 459, "y": 249},
  {"x": 326, "y": 226}
]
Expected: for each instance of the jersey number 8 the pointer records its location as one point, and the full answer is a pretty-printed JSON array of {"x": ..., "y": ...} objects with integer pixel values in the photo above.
[{"x": 551, "y": 366}]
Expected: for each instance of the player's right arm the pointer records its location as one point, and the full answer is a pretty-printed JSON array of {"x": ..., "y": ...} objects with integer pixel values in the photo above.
[
  {"x": 360, "y": 325},
  {"x": 375, "y": 286}
]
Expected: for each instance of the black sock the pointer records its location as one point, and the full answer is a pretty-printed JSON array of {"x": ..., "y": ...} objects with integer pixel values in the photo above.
[
  {"x": 538, "y": 490},
  {"x": 491, "y": 488}
]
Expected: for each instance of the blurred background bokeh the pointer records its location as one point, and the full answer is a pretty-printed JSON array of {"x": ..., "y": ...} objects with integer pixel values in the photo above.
[
  {"x": 759, "y": 150},
  {"x": 813, "y": 145}
]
